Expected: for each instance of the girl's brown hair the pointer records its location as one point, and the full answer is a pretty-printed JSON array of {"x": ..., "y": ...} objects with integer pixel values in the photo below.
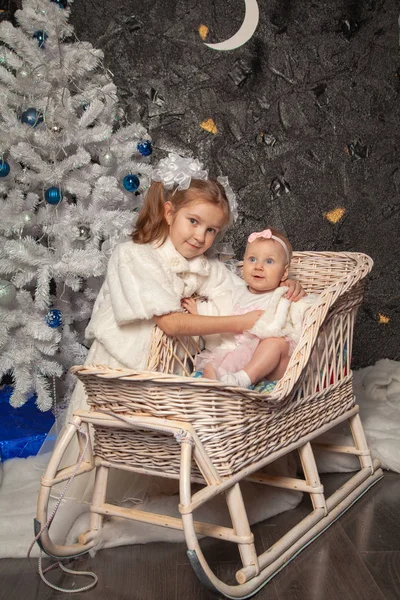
[{"x": 151, "y": 225}]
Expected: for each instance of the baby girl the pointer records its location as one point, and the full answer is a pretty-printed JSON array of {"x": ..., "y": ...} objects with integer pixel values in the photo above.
[{"x": 264, "y": 351}]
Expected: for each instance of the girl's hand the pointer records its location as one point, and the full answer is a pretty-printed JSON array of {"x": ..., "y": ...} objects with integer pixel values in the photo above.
[
  {"x": 249, "y": 319},
  {"x": 295, "y": 291},
  {"x": 190, "y": 305}
]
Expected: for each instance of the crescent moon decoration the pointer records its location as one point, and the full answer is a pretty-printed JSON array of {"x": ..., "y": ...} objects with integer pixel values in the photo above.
[{"x": 246, "y": 31}]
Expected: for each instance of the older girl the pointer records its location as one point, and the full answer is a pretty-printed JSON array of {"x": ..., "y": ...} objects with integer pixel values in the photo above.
[{"x": 183, "y": 214}]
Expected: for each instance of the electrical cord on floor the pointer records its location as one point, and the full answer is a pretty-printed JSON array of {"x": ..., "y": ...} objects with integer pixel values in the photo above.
[{"x": 47, "y": 525}]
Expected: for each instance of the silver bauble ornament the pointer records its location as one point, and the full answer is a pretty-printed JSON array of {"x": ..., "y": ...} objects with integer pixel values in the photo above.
[
  {"x": 22, "y": 176},
  {"x": 83, "y": 232},
  {"x": 8, "y": 292},
  {"x": 56, "y": 128},
  {"x": 106, "y": 158},
  {"x": 144, "y": 182},
  {"x": 39, "y": 73},
  {"x": 107, "y": 247},
  {"x": 22, "y": 73},
  {"x": 28, "y": 219}
]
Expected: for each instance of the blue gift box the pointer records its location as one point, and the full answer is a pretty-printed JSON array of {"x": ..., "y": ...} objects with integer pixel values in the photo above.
[{"x": 22, "y": 430}]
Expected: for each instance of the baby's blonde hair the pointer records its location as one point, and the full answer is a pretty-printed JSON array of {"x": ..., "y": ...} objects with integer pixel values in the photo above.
[{"x": 279, "y": 235}]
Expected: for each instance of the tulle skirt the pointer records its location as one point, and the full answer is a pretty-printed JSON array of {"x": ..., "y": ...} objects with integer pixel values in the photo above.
[
  {"x": 228, "y": 361},
  {"x": 233, "y": 359}
]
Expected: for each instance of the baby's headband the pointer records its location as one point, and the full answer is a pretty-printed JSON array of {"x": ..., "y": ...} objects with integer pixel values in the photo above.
[
  {"x": 268, "y": 235},
  {"x": 176, "y": 172}
]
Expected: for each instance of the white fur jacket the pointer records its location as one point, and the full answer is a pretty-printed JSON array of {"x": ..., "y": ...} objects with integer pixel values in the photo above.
[
  {"x": 143, "y": 281},
  {"x": 283, "y": 318}
]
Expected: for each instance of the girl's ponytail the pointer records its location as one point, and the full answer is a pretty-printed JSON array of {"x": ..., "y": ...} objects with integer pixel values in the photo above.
[{"x": 151, "y": 224}]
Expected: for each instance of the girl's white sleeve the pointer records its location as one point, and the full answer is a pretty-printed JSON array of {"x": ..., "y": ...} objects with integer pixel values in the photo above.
[
  {"x": 220, "y": 281},
  {"x": 139, "y": 286}
]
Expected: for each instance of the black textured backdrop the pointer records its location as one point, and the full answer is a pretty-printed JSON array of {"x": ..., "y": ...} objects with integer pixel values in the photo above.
[{"x": 307, "y": 118}]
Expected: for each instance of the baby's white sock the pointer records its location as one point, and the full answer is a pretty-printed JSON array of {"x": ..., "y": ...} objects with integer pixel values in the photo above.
[{"x": 240, "y": 378}]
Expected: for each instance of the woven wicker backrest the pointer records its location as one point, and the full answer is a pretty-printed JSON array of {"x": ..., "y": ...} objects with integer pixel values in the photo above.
[
  {"x": 172, "y": 354},
  {"x": 316, "y": 271}
]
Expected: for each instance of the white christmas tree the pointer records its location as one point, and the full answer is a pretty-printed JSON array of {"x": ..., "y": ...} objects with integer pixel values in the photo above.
[{"x": 71, "y": 180}]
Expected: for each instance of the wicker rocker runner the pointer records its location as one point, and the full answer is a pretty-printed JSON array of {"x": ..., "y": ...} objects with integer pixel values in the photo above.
[{"x": 202, "y": 431}]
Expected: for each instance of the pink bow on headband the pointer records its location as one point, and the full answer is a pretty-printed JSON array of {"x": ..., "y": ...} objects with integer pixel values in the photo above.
[{"x": 267, "y": 234}]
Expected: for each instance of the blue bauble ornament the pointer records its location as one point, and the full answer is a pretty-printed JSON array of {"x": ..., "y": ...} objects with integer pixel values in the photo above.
[
  {"x": 131, "y": 182},
  {"x": 54, "y": 318},
  {"x": 145, "y": 148},
  {"x": 32, "y": 117},
  {"x": 4, "y": 168},
  {"x": 61, "y": 3},
  {"x": 53, "y": 195},
  {"x": 40, "y": 37}
]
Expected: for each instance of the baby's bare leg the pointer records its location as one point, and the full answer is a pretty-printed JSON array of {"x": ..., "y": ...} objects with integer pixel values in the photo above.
[
  {"x": 209, "y": 372},
  {"x": 269, "y": 361}
]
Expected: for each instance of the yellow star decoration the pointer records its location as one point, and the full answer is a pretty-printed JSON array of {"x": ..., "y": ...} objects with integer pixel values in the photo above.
[
  {"x": 383, "y": 319},
  {"x": 334, "y": 216},
  {"x": 209, "y": 125},
  {"x": 203, "y": 31}
]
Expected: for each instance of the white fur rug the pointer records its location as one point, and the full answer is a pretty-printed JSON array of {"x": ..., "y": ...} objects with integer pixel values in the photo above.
[{"x": 378, "y": 393}]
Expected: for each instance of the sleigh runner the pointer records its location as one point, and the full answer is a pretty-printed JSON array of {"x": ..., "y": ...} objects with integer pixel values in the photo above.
[{"x": 204, "y": 432}]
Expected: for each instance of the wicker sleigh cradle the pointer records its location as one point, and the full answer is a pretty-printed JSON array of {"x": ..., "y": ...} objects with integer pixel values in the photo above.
[{"x": 204, "y": 432}]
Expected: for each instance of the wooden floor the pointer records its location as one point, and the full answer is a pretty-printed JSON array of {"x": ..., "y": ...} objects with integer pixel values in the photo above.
[{"x": 358, "y": 558}]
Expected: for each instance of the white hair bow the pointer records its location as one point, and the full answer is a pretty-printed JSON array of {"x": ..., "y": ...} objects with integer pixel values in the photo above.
[{"x": 176, "y": 172}]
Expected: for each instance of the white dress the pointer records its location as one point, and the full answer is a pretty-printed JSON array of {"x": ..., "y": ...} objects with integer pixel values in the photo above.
[{"x": 229, "y": 353}]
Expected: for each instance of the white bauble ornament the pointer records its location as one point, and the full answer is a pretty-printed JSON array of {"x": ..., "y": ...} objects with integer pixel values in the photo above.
[
  {"x": 8, "y": 293},
  {"x": 22, "y": 73},
  {"x": 106, "y": 158}
]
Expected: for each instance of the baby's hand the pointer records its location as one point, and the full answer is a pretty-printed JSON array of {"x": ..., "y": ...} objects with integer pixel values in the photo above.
[
  {"x": 190, "y": 305},
  {"x": 295, "y": 291}
]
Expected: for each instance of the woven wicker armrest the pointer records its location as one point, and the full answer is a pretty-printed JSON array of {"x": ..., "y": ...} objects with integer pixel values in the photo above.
[{"x": 327, "y": 333}]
